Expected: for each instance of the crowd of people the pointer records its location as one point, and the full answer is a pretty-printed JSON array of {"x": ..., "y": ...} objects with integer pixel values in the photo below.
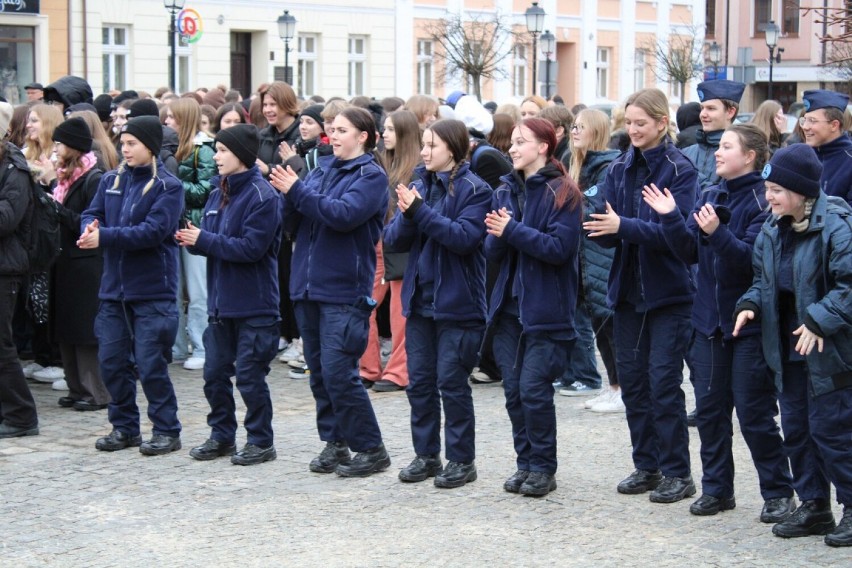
[{"x": 504, "y": 242}]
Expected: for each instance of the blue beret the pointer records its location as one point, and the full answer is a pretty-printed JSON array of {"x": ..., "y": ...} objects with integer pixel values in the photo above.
[
  {"x": 818, "y": 98},
  {"x": 720, "y": 89}
]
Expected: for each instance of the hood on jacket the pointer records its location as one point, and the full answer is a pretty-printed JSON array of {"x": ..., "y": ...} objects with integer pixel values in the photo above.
[{"x": 69, "y": 90}]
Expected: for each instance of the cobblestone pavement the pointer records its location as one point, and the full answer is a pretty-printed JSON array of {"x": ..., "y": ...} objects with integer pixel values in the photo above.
[{"x": 66, "y": 504}]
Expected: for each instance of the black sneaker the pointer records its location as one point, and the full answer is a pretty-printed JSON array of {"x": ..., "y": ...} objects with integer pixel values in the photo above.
[
  {"x": 253, "y": 455},
  {"x": 159, "y": 445},
  {"x": 421, "y": 468},
  {"x": 365, "y": 464},
  {"x": 707, "y": 505},
  {"x": 333, "y": 454},
  {"x": 117, "y": 440},
  {"x": 456, "y": 474},
  {"x": 777, "y": 509},
  {"x": 538, "y": 484},
  {"x": 386, "y": 385},
  {"x": 673, "y": 489},
  {"x": 842, "y": 535},
  {"x": 812, "y": 517},
  {"x": 513, "y": 484},
  {"x": 212, "y": 449},
  {"x": 640, "y": 481}
]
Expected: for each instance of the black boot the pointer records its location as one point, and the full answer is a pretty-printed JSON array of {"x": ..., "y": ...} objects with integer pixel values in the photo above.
[
  {"x": 842, "y": 535},
  {"x": 455, "y": 475},
  {"x": 777, "y": 509},
  {"x": 812, "y": 517},
  {"x": 640, "y": 481},
  {"x": 421, "y": 468},
  {"x": 673, "y": 489},
  {"x": 365, "y": 463},
  {"x": 333, "y": 454},
  {"x": 538, "y": 484},
  {"x": 708, "y": 505},
  {"x": 513, "y": 484}
]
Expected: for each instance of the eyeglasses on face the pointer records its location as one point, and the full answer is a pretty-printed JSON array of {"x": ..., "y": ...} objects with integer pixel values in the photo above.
[{"x": 809, "y": 121}]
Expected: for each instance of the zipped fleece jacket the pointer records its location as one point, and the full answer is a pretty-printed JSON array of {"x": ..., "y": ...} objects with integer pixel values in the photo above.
[
  {"x": 241, "y": 240},
  {"x": 836, "y": 158},
  {"x": 664, "y": 278},
  {"x": 448, "y": 235},
  {"x": 137, "y": 233},
  {"x": 337, "y": 214},
  {"x": 543, "y": 246}
]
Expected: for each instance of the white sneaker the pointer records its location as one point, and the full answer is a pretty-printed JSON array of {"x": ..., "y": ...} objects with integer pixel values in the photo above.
[
  {"x": 385, "y": 349},
  {"x": 603, "y": 397},
  {"x": 293, "y": 352},
  {"x": 282, "y": 344},
  {"x": 49, "y": 374},
  {"x": 194, "y": 364},
  {"x": 31, "y": 368},
  {"x": 59, "y": 385},
  {"x": 613, "y": 406}
]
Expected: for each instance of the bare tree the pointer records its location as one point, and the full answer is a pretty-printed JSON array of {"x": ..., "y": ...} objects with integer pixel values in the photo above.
[
  {"x": 838, "y": 23},
  {"x": 474, "y": 48},
  {"x": 678, "y": 58}
]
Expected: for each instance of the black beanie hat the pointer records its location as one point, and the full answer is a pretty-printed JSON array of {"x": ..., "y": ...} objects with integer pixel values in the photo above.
[
  {"x": 242, "y": 140},
  {"x": 315, "y": 112},
  {"x": 103, "y": 103},
  {"x": 148, "y": 130},
  {"x": 143, "y": 107},
  {"x": 796, "y": 168},
  {"x": 74, "y": 133}
]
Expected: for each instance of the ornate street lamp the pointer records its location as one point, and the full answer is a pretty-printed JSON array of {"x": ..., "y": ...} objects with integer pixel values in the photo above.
[
  {"x": 715, "y": 54},
  {"x": 287, "y": 29},
  {"x": 772, "y": 33},
  {"x": 548, "y": 48},
  {"x": 173, "y": 6},
  {"x": 535, "y": 23}
]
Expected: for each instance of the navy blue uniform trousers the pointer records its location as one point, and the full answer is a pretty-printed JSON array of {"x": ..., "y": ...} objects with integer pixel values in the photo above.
[
  {"x": 730, "y": 374},
  {"x": 440, "y": 357},
  {"x": 817, "y": 436},
  {"x": 529, "y": 363},
  {"x": 334, "y": 336},
  {"x": 241, "y": 348},
  {"x": 135, "y": 339},
  {"x": 650, "y": 347}
]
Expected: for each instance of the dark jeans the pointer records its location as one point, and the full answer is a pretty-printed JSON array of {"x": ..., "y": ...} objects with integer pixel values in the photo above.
[
  {"x": 605, "y": 340},
  {"x": 732, "y": 374},
  {"x": 650, "y": 349},
  {"x": 529, "y": 362},
  {"x": 583, "y": 365},
  {"x": 334, "y": 337},
  {"x": 135, "y": 340},
  {"x": 241, "y": 348},
  {"x": 17, "y": 407},
  {"x": 440, "y": 356}
]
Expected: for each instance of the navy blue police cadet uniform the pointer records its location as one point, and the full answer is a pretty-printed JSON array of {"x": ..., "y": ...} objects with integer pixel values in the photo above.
[
  {"x": 836, "y": 155},
  {"x": 703, "y": 152},
  {"x": 337, "y": 214},
  {"x": 532, "y": 309},
  {"x": 730, "y": 372},
  {"x": 240, "y": 236},
  {"x": 138, "y": 209},
  {"x": 651, "y": 291},
  {"x": 443, "y": 300},
  {"x": 803, "y": 275}
]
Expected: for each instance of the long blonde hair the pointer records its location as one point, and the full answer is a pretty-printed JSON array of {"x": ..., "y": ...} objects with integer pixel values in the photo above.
[
  {"x": 187, "y": 114},
  {"x": 103, "y": 146},
  {"x": 50, "y": 117},
  {"x": 597, "y": 122},
  {"x": 764, "y": 118},
  {"x": 656, "y": 105},
  {"x": 122, "y": 167}
]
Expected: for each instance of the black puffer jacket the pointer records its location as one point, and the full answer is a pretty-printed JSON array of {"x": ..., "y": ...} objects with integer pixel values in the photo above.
[
  {"x": 69, "y": 90},
  {"x": 15, "y": 211}
]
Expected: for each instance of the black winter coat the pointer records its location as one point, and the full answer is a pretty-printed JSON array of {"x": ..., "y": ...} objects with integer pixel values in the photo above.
[
  {"x": 15, "y": 211},
  {"x": 76, "y": 275}
]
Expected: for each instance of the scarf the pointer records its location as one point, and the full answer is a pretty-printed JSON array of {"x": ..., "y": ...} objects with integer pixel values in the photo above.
[{"x": 62, "y": 187}]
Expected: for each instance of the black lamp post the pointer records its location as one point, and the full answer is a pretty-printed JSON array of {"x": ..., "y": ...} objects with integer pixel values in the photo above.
[
  {"x": 548, "y": 47},
  {"x": 535, "y": 23},
  {"x": 287, "y": 29},
  {"x": 772, "y": 32},
  {"x": 715, "y": 54},
  {"x": 173, "y": 6}
]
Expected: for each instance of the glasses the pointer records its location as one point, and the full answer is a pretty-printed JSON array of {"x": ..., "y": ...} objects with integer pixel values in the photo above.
[
  {"x": 577, "y": 128},
  {"x": 809, "y": 121}
]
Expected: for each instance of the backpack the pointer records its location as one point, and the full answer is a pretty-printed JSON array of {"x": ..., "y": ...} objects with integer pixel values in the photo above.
[{"x": 42, "y": 241}]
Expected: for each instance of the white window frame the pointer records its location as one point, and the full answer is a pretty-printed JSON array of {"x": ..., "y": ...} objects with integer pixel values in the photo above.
[
  {"x": 640, "y": 59},
  {"x": 425, "y": 66},
  {"x": 519, "y": 70},
  {"x": 113, "y": 52},
  {"x": 357, "y": 64},
  {"x": 603, "y": 59},
  {"x": 183, "y": 73},
  {"x": 307, "y": 65}
]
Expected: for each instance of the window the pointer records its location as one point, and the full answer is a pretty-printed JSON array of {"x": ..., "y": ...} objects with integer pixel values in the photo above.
[
  {"x": 519, "y": 71},
  {"x": 710, "y": 18},
  {"x": 602, "y": 82},
  {"x": 762, "y": 15},
  {"x": 424, "y": 67},
  {"x": 357, "y": 65},
  {"x": 639, "y": 58},
  {"x": 306, "y": 81},
  {"x": 116, "y": 51},
  {"x": 790, "y": 23},
  {"x": 17, "y": 59}
]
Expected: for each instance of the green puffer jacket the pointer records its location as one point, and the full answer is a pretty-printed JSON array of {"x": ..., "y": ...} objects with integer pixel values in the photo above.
[{"x": 195, "y": 173}]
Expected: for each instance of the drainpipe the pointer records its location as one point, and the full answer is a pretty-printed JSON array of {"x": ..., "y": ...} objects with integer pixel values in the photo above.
[{"x": 85, "y": 41}]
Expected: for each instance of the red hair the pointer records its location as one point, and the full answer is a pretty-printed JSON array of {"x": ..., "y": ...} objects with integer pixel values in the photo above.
[{"x": 543, "y": 131}]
